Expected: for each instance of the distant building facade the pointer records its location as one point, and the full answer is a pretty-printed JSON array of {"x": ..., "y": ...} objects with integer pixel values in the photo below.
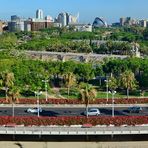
[
  {"x": 128, "y": 21},
  {"x": 37, "y": 25},
  {"x": 1, "y": 27},
  {"x": 31, "y": 24},
  {"x": 16, "y": 24},
  {"x": 40, "y": 22},
  {"x": 27, "y": 25}
]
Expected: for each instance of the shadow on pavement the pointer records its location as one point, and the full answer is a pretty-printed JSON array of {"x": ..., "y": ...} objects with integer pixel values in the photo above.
[
  {"x": 49, "y": 113},
  {"x": 109, "y": 112}
]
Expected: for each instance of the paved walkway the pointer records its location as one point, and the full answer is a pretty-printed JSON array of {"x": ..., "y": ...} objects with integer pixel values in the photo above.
[{"x": 16, "y": 144}]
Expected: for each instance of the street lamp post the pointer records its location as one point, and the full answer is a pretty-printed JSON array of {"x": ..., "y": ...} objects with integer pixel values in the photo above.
[
  {"x": 113, "y": 101},
  {"x": 6, "y": 90},
  {"x": 46, "y": 81},
  {"x": 107, "y": 88},
  {"x": 38, "y": 93}
]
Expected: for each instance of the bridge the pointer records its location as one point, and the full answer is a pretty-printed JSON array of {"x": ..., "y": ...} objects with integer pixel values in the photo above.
[
  {"x": 74, "y": 130},
  {"x": 63, "y": 56}
]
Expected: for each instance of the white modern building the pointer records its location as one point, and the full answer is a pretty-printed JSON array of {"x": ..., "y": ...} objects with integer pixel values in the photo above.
[
  {"x": 99, "y": 22},
  {"x": 39, "y": 14},
  {"x": 65, "y": 19},
  {"x": 82, "y": 27}
]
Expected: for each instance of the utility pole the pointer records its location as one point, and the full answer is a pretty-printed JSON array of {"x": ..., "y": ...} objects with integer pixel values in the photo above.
[{"x": 46, "y": 81}]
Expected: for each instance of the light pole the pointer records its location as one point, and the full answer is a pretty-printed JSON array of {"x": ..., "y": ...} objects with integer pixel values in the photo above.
[
  {"x": 46, "y": 81},
  {"x": 113, "y": 101},
  {"x": 107, "y": 87},
  {"x": 6, "y": 90},
  {"x": 38, "y": 93}
]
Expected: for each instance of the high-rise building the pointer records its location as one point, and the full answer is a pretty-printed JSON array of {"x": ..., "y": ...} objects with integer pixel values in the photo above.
[
  {"x": 122, "y": 21},
  {"x": 16, "y": 24},
  {"x": 39, "y": 14},
  {"x": 15, "y": 18},
  {"x": 63, "y": 19},
  {"x": 73, "y": 19},
  {"x": 143, "y": 23}
]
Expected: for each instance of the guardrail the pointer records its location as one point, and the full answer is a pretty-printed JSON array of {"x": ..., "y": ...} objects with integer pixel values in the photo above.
[{"x": 136, "y": 130}]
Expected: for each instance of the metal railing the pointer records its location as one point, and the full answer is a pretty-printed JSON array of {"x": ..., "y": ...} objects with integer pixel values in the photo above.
[{"x": 129, "y": 130}]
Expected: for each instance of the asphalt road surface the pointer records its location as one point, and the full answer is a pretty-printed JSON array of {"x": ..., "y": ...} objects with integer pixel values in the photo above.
[{"x": 21, "y": 111}]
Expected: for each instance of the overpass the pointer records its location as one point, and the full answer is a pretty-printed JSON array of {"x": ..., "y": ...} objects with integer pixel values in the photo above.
[{"x": 63, "y": 56}]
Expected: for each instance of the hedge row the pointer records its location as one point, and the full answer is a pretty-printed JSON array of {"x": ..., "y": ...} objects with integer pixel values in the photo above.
[
  {"x": 76, "y": 101},
  {"x": 38, "y": 121}
]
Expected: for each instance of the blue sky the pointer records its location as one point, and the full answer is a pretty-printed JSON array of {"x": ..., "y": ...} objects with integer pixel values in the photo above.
[{"x": 111, "y": 10}]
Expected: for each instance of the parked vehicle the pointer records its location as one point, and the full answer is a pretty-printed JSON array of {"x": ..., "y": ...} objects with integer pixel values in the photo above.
[
  {"x": 92, "y": 112},
  {"x": 34, "y": 110},
  {"x": 135, "y": 109}
]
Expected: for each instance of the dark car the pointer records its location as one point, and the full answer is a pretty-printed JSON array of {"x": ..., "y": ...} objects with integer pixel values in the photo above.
[{"x": 135, "y": 109}]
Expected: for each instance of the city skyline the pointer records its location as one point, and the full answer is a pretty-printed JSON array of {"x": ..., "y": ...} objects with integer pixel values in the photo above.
[{"x": 110, "y": 10}]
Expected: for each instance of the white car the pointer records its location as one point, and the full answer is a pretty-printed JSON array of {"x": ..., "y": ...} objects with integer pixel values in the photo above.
[
  {"x": 34, "y": 110},
  {"x": 92, "y": 112}
]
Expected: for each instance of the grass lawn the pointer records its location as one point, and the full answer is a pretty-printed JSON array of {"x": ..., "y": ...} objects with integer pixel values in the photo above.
[
  {"x": 102, "y": 94},
  {"x": 75, "y": 95},
  {"x": 117, "y": 95}
]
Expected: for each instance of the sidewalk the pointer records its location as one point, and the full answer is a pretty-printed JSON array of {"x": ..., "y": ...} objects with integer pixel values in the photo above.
[{"x": 73, "y": 105}]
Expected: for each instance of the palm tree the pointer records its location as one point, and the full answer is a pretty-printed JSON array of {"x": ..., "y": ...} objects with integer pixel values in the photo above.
[
  {"x": 7, "y": 81},
  {"x": 70, "y": 80},
  {"x": 87, "y": 93},
  {"x": 128, "y": 81},
  {"x": 13, "y": 94}
]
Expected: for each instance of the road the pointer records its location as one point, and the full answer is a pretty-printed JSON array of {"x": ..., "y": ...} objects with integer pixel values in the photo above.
[{"x": 106, "y": 111}]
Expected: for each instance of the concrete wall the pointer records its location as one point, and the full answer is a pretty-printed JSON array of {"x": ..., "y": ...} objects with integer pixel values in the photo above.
[{"x": 74, "y": 144}]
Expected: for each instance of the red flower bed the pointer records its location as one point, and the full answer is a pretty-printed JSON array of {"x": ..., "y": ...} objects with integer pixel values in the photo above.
[
  {"x": 3, "y": 101},
  {"x": 117, "y": 121},
  {"x": 76, "y": 101}
]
